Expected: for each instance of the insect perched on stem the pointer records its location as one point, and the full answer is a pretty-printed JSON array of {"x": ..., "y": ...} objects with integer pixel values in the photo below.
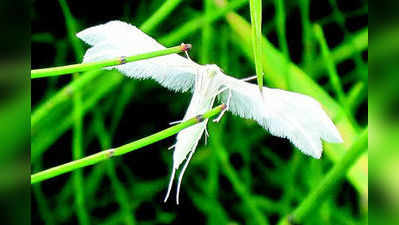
[{"x": 285, "y": 114}]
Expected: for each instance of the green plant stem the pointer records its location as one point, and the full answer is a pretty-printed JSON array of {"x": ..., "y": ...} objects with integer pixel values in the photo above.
[
  {"x": 308, "y": 48},
  {"x": 332, "y": 72},
  {"x": 329, "y": 182},
  {"x": 43, "y": 135},
  {"x": 256, "y": 27},
  {"x": 196, "y": 23},
  {"x": 61, "y": 96},
  {"x": 156, "y": 18},
  {"x": 103, "y": 155},
  {"x": 233, "y": 177},
  {"x": 77, "y": 141},
  {"x": 42, "y": 203},
  {"x": 357, "y": 43},
  {"x": 77, "y": 152},
  {"x": 118, "y": 188},
  {"x": 281, "y": 34},
  {"x": 206, "y": 34},
  {"x": 280, "y": 27},
  {"x": 72, "y": 28},
  {"x": 81, "y": 67},
  {"x": 357, "y": 95}
]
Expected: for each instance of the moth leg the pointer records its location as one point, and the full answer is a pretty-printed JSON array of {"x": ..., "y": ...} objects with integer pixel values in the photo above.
[
  {"x": 223, "y": 89},
  {"x": 171, "y": 147},
  {"x": 206, "y": 136},
  {"x": 181, "y": 175},
  {"x": 249, "y": 78},
  {"x": 170, "y": 184},
  {"x": 188, "y": 57},
  {"x": 224, "y": 110}
]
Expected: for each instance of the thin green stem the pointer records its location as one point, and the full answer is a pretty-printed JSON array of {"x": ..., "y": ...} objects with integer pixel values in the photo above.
[
  {"x": 238, "y": 186},
  {"x": 256, "y": 27},
  {"x": 282, "y": 38},
  {"x": 280, "y": 27},
  {"x": 332, "y": 72},
  {"x": 206, "y": 34},
  {"x": 43, "y": 135},
  {"x": 357, "y": 43},
  {"x": 42, "y": 203},
  {"x": 196, "y": 23},
  {"x": 308, "y": 47},
  {"x": 72, "y": 28},
  {"x": 77, "y": 152},
  {"x": 61, "y": 96},
  {"x": 77, "y": 142},
  {"x": 103, "y": 155},
  {"x": 356, "y": 95},
  {"x": 119, "y": 190},
  {"x": 81, "y": 67},
  {"x": 329, "y": 182},
  {"x": 159, "y": 15}
]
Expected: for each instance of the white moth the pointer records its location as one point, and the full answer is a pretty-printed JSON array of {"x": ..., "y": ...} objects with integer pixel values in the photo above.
[{"x": 285, "y": 114}]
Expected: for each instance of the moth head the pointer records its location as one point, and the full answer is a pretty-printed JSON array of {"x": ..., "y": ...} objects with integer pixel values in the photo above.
[{"x": 212, "y": 70}]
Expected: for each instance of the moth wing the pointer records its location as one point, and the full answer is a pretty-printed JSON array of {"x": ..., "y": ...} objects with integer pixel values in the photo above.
[
  {"x": 285, "y": 114},
  {"x": 117, "y": 38}
]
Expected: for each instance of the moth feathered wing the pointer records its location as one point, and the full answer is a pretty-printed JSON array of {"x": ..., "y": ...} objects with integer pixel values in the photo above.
[
  {"x": 290, "y": 115},
  {"x": 117, "y": 38}
]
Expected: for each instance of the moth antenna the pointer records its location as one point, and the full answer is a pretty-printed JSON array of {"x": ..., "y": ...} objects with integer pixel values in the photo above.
[
  {"x": 249, "y": 78},
  {"x": 188, "y": 57},
  {"x": 181, "y": 175},
  {"x": 221, "y": 90},
  {"x": 224, "y": 110},
  {"x": 170, "y": 184},
  {"x": 206, "y": 136}
]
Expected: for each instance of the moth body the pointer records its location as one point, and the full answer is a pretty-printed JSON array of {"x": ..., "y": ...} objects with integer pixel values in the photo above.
[{"x": 205, "y": 90}]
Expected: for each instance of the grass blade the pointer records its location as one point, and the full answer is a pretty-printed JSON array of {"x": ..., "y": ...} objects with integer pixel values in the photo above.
[{"x": 256, "y": 27}]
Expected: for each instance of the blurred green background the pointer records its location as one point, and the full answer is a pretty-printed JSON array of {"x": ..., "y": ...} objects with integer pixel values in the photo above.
[{"x": 243, "y": 175}]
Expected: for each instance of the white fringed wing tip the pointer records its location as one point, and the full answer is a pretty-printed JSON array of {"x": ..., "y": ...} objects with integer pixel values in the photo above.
[
  {"x": 117, "y": 38},
  {"x": 285, "y": 114}
]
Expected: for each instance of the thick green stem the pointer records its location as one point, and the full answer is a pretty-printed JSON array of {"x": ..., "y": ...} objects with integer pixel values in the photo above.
[
  {"x": 329, "y": 182},
  {"x": 101, "y": 156},
  {"x": 81, "y": 67}
]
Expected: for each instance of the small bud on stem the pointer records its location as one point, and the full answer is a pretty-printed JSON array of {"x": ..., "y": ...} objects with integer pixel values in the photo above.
[{"x": 185, "y": 47}]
